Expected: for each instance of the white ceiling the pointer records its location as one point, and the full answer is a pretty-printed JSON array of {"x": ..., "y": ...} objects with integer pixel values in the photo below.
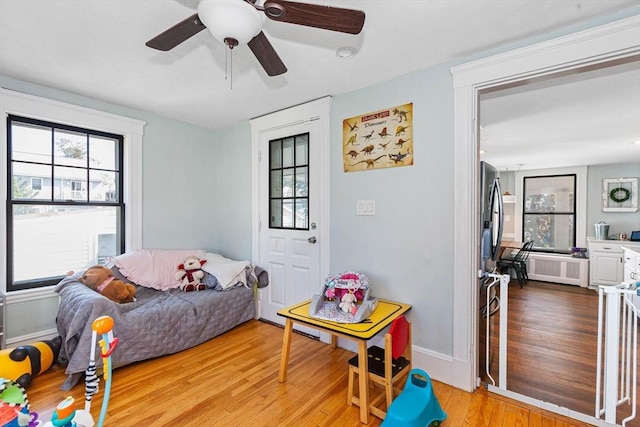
[
  {"x": 96, "y": 48},
  {"x": 591, "y": 118}
]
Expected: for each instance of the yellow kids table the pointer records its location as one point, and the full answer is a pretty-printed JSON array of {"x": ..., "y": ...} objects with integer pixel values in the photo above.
[{"x": 382, "y": 316}]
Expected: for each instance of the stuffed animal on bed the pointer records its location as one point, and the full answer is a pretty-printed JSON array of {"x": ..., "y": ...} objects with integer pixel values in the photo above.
[
  {"x": 190, "y": 273},
  {"x": 101, "y": 279}
]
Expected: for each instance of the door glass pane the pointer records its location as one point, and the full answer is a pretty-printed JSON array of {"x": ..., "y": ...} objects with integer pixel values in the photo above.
[
  {"x": 275, "y": 153},
  {"x": 276, "y": 183},
  {"x": 70, "y": 148},
  {"x": 275, "y": 220},
  {"x": 287, "y": 153},
  {"x": 287, "y": 182},
  {"x": 302, "y": 149},
  {"x": 301, "y": 213},
  {"x": 302, "y": 181},
  {"x": 287, "y": 213},
  {"x": 30, "y": 143}
]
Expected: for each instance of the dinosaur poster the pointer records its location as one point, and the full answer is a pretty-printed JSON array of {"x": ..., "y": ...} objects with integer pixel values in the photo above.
[{"x": 381, "y": 139}]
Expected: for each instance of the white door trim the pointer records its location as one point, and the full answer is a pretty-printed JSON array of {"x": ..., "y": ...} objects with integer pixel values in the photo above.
[
  {"x": 594, "y": 46},
  {"x": 319, "y": 109}
]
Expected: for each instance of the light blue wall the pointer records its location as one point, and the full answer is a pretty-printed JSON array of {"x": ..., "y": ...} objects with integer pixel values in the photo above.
[
  {"x": 233, "y": 193},
  {"x": 618, "y": 221},
  {"x": 406, "y": 249}
]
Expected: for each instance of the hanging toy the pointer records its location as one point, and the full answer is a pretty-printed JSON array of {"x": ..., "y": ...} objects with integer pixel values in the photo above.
[{"x": 65, "y": 415}]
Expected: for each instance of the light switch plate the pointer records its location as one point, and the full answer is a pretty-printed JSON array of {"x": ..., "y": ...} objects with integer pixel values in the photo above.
[{"x": 366, "y": 207}]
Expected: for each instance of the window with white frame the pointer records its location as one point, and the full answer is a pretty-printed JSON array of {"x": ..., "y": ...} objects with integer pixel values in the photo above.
[{"x": 74, "y": 201}]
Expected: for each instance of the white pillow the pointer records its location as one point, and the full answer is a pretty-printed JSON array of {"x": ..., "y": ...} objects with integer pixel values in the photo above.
[
  {"x": 154, "y": 268},
  {"x": 228, "y": 272}
]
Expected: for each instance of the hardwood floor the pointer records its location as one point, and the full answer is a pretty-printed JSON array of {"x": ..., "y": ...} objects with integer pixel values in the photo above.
[
  {"x": 232, "y": 380},
  {"x": 552, "y": 345}
]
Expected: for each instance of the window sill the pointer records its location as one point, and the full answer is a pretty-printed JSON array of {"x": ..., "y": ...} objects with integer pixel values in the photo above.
[{"x": 14, "y": 297}]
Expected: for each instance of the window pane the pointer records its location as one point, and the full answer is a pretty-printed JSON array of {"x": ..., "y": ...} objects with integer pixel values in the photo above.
[
  {"x": 287, "y": 183},
  {"x": 103, "y": 186},
  {"x": 287, "y": 153},
  {"x": 276, "y": 214},
  {"x": 550, "y": 194},
  {"x": 302, "y": 182},
  {"x": 60, "y": 238},
  {"x": 287, "y": 213},
  {"x": 30, "y": 143},
  {"x": 302, "y": 149},
  {"x": 301, "y": 213},
  {"x": 23, "y": 177},
  {"x": 275, "y": 154},
  {"x": 69, "y": 183},
  {"x": 550, "y": 232},
  {"x": 71, "y": 148},
  {"x": 103, "y": 153},
  {"x": 276, "y": 183}
]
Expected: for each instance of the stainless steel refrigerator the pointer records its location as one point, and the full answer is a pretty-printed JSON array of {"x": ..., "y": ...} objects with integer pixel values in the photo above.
[{"x": 491, "y": 226}]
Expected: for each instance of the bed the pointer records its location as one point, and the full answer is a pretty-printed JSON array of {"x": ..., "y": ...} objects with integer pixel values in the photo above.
[{"x": 163, "y": 319}]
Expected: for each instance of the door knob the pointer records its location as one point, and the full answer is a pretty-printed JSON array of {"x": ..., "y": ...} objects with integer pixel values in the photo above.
[{"x": 312, "y": 239}]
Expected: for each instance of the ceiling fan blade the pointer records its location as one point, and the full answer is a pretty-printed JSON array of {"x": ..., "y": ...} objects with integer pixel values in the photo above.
[
  {"x": 175, "y": 35},
  {"x": 267, "y": 55},
  {"x": 312, "y": 15}
]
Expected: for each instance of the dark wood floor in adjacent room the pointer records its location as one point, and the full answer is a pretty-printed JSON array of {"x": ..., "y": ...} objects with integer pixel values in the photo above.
[
  {"x": 552, "y": 345},
  {"x": 232, "y": 380}
]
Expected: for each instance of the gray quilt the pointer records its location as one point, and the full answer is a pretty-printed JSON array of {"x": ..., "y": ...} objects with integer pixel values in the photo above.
[{"x": 158, "y": 323}]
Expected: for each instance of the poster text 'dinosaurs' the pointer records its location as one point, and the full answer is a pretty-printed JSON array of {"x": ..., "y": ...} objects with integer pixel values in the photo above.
[{"x": 380, "y": 139}]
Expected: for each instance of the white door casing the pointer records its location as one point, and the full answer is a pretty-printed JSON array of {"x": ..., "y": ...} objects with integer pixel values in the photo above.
[
  {"x": 296, "y": 267},
  {"x": 598, "y": 45}
]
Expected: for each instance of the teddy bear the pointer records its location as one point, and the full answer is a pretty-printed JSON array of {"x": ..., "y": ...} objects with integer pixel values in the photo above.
[
  {"x": 348, "y": 303},
  {"x": 102, "y": 280},
  {"x": 190, "y": 273}
]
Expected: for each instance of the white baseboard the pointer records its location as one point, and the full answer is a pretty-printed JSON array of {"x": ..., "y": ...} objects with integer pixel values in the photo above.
[
  {"x": 29, "y": 338},
  {"x": 440, "y": 367}
]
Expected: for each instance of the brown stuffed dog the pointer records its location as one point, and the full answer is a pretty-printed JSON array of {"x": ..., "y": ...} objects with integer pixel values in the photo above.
[{"x": 101, "y": 279}]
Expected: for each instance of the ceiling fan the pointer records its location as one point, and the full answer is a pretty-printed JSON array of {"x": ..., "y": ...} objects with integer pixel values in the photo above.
[{"x": 240, "y": 21}]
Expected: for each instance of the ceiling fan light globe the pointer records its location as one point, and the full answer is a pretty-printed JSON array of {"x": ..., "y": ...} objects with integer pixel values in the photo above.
[{"x": 231, "y": 19}]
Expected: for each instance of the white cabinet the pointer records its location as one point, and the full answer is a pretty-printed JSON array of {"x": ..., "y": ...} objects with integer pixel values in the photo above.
[
  {"x": 632, "y": 269},
  {"x": 606, "y": 266}
]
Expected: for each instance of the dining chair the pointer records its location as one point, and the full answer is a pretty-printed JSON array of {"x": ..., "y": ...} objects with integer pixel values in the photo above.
[
  {"x": 387, "y": 366},
  {"x": 518, "y": 263}
]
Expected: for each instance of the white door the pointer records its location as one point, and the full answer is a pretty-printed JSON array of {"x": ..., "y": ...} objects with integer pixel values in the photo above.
[{"x": 292, "y": 220}]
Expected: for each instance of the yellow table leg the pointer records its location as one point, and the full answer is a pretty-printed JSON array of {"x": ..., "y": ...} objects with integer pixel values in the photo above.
[
  {"x": 286, "y": 345},
  {"x": 334, "y": 341},
  {"x": 363, "y": 377}
]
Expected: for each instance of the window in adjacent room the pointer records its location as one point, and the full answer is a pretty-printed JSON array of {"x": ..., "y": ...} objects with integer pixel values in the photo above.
[
  {"x": 549, "y": 212},
  {"x": 65, "y": 205},
  {"x": 289, "y": 182}
]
